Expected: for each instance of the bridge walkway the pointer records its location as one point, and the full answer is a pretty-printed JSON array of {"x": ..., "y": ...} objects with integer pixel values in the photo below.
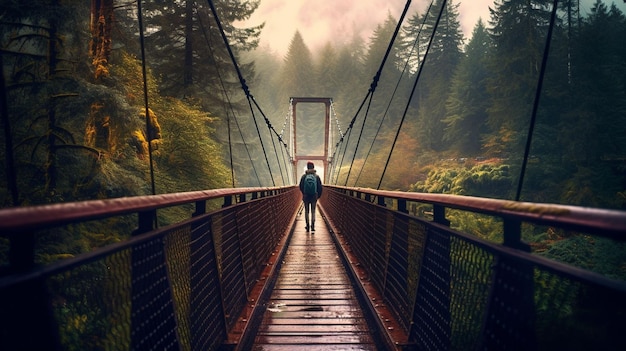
[{"x": 313, "y": 305}]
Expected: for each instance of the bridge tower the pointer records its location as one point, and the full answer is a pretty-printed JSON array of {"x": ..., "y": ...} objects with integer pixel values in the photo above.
[{"x": 324, "y": 157}]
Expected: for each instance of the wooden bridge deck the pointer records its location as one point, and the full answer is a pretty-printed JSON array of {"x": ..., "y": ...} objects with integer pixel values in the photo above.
[{"x": 313, "y": 305}]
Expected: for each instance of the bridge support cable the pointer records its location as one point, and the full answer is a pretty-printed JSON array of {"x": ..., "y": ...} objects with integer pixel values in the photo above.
[
  {"x": 245, "y": 88},
  {"x": 145, "y": 94},
  {"x": 247, "y": 150},
  {"x": 533, "y": 118},
  {"x": 417, "y": 79},
  {"x": 272, "y": 130},
  {"x": 395, "y": 90},
  {"x": 372, "y": 88},
  {"x": 333, "y": 157},
  {"x": 258, "y": 131},
  {"x": 280, "y": 167},
  {"x": 230, "y": 151},
  {"x": 345, "y": 146},
  {"x": 229, "y": 107},
  {"x": 334, "y": 113},
  {"x": 286, "y": 154},
  {"x": 358, "y": 141},
  {"x": 242, "y": 81}
]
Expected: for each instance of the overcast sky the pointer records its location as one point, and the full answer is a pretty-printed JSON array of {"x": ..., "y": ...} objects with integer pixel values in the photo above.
[{"x": 337, "y": 21}]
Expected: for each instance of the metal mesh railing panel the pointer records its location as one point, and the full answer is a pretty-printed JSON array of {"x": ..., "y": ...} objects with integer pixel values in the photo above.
[
  {"x": 178, "y": 257},
  {"x": 250, "y": 239},
  {"x": 465, "y": 293},
  {"x": 207, "y": 324},
  {"x": 231, "y": 268},
  {"x": 153, "y": 320},
  {"x": 180, "y": 287},
  {"x": 470, "y": 282},
  {"x": 94, "y": 300},
  {"x": 539, "y": 307},
  {"x": 358, "y": 230},
  {"x": 431, "y": 313},
  {"x": 380, "y": 246},
  {"x": 396, "y": 280}
]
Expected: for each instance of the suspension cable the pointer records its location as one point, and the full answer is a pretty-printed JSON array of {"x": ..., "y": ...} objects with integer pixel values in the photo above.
[
  {"x": 395, "y": 90},
  {"x": 285, "y": 123},
  {"x": 145, "y": 94},
  {"x": 230, "y": 150},
  {"x": 330, "y": 170},
  {"x": 258, "y": 131},
  {"x": 242, "y": 81},
  {"x": 349, "y": 132},
  {"x": 334, "y": 112},
  {"x": 267, "y": 121},
  {"x": 533, "y": 118},
  {"x": 280, "y": 167},
  {"x": 417, "y": 78},
  {"x": 374, "y": 84},
  {"x": 207, "y": 39},
  {"x": 356, "y": 148},
  {"x": 271, "y": 129}
]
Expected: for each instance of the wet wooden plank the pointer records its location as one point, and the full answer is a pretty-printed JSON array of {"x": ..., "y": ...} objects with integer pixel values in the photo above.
[
  {"x": 322, "y": 338},
  {"x": 326, "y": 347},
  {"x": 313, "y": 305}
]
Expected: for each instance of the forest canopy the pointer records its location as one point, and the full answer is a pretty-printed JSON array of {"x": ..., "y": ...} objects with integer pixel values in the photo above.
[
  {"x": 76, "y": 125},
  {"x": 95, "y": 108},
  {"x": 472, "y": 104}
]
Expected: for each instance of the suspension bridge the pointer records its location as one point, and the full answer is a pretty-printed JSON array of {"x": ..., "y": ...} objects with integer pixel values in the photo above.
[{"x": 380, "y": 273}]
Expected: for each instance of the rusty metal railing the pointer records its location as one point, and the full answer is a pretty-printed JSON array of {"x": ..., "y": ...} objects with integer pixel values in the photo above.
[
  {"x": 454, "y": 291},
  {"x": 178, "y": 287}
]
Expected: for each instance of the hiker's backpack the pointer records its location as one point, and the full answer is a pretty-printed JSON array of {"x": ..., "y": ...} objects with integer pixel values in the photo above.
[{"x": 310, "y": 184}]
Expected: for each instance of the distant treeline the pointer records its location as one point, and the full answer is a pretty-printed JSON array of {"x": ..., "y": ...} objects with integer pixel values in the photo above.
[
  {"x": 76, "y": 124},
  {"x": 474, "y": 99}
]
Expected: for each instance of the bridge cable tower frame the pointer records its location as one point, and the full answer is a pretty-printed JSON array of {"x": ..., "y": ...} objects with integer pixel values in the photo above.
[{"x": 325, "y": 157}]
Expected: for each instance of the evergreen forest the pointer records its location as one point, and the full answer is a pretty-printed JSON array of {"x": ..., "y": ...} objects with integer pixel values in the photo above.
[{"x": 98, "y": 104}]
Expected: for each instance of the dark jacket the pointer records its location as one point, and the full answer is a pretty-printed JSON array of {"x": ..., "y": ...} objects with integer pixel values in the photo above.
[{"x": 310, "y": 198}]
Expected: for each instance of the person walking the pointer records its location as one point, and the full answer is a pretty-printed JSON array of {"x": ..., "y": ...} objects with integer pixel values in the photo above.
[{"x": 311, "y": 188}]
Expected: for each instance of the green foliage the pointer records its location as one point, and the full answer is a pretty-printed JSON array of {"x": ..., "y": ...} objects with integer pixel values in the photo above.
[
  {"x": 468, "y": 99},
  {"x": 439, "y": 67},
  {"x": 486, "y": 180},
  {"x": 188, "y": 158},
  {"x": 187, "y": 51},
  {"x": 600, "y": 255}
]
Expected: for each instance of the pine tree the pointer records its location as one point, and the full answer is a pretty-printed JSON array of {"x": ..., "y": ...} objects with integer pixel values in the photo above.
[
  {"x": 410, "y": 41},
  {"x": 468, "y": 100},
  {"x": 441, "y": 62},
  {"x": 518, "y": 32},
  {"x": 349, "y": 72},
  {"x": 599, "y": 78},
  {"x": 298, "y": 80},
  {"x": 40, "y": 56},
  {"x": 387, "y": 81},
  {"x": 185, "y": 46},
  {"x": 326, "y": 72},
  {"x": 298, "y": 69}
]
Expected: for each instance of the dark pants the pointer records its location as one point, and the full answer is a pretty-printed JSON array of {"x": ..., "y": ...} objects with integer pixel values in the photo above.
[{"x": 309, "y": 207}]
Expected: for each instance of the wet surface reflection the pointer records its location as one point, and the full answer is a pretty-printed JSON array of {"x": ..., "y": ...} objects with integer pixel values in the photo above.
[{"x": 313, "y": 306}]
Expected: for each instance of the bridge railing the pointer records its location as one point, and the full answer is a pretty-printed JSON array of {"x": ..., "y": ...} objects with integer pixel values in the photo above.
[
  {"x": 454, "y": 291},
  {"x": 182, "y": 286}
]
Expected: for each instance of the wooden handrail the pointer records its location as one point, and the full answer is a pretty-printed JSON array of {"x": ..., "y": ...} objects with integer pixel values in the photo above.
[
  {"x": 20, "y": 219},
  {"x": 610, "y": 223}
]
